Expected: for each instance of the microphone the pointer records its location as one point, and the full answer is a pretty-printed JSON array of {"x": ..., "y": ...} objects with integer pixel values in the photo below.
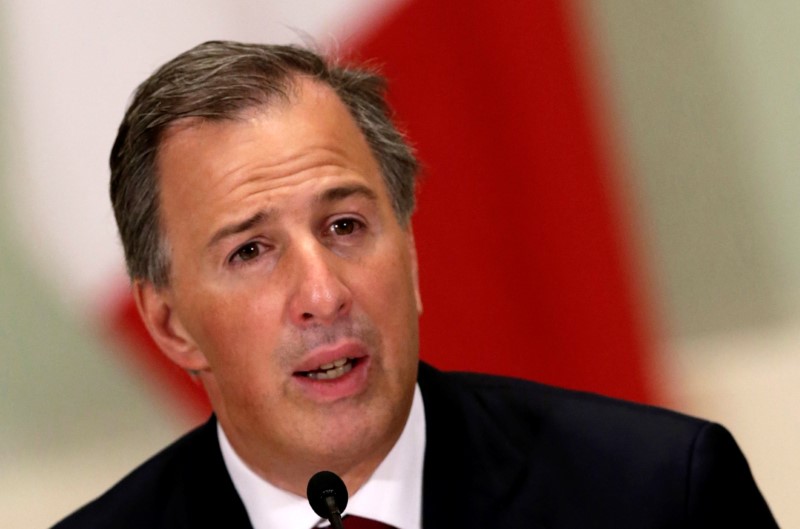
[{"x": 327, "y": 495}]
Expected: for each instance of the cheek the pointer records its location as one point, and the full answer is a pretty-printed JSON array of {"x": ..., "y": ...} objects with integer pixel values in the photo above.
[
  {"x": 237, "y": 331},
  {"x": 395, "y": 278},
  {"x": 240, "y": 344},
  {"x": 386, "y": 289}
]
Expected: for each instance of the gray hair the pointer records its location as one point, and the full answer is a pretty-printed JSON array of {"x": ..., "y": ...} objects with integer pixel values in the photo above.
[{"x": 218, "y": 81}]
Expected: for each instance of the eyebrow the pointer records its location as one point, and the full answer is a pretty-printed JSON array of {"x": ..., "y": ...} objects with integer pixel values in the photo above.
[
  {"x": 342, "y": 192},
  {"x": 239, "y": 227}
]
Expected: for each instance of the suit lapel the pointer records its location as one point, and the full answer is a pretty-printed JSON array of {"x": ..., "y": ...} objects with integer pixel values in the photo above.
[
  {"x": 209, "y": 497},
  {"x": 469, "y": 479}
]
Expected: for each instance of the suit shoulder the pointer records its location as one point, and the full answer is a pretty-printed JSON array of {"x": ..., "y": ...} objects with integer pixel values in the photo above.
[{"x": 586, "y": 429}]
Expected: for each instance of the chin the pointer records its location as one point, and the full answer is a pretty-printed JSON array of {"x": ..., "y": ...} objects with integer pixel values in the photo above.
[{"x": 349, "y": 438}]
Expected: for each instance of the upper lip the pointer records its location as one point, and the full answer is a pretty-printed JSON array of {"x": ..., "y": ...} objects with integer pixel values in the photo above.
[{"x": 326, "y": 354}]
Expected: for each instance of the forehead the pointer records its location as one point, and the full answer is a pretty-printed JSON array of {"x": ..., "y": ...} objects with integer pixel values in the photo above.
[
  {"x": 311, "y": 116},
  {"x": 210, "y": 169}
]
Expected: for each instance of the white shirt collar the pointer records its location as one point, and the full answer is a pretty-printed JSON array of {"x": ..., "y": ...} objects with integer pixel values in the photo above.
[{"x": 393, "y": 494}]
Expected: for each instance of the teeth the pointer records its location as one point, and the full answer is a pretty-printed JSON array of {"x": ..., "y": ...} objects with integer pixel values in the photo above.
[
  {"x": 336, "y": 363},
  {"x": 334, "y": 371}
]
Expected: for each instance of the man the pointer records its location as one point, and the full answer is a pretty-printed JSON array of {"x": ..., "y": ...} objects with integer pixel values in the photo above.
[{"x": 264, "y": 201}]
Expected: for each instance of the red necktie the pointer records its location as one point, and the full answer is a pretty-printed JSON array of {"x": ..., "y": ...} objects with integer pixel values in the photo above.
[{"x": 356, "y": 522}]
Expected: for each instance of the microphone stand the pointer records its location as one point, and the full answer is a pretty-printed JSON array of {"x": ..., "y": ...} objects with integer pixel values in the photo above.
[{"x": 335, "y": 516}]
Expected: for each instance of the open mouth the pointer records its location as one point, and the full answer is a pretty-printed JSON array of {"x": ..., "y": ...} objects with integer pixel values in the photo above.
[{"x": 331, "y": 371}]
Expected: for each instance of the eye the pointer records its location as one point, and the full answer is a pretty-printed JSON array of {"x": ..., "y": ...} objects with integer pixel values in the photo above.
[
  {"x": 247, "y": 252},
  {"x": 345, "y": 226}
]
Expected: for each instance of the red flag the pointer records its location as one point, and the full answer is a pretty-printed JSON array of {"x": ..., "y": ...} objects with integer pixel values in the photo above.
[{"x": 524, "y": 263}]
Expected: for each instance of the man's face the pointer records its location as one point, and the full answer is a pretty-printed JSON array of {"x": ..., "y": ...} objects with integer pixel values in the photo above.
[{"x": 293, "y": 286}]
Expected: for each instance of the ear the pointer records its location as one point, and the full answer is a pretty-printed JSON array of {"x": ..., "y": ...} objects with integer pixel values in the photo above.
[
  {"x": 412, "y": 252},
  {"x": 163, "y": 323}
]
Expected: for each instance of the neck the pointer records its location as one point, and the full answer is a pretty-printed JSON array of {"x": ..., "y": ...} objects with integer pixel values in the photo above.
[{"x": 291, "y": 473}]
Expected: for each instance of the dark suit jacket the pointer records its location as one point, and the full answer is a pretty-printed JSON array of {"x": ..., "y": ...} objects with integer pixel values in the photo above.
[{"x": 501, "y": 453}]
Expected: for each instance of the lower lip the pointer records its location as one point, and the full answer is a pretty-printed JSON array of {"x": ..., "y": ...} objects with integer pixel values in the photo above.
[{"x": 351, "y": 383}]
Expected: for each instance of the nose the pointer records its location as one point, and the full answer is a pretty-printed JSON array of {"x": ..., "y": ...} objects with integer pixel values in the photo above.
[{"x": 319, "y": 294}]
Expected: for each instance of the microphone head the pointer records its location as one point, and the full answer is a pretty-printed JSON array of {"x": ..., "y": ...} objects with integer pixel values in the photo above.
[{"x": 322, "y": 485}]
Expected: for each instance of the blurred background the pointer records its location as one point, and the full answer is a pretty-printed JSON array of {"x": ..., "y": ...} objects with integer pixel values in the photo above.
[{"x": 610, "y": 202}]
